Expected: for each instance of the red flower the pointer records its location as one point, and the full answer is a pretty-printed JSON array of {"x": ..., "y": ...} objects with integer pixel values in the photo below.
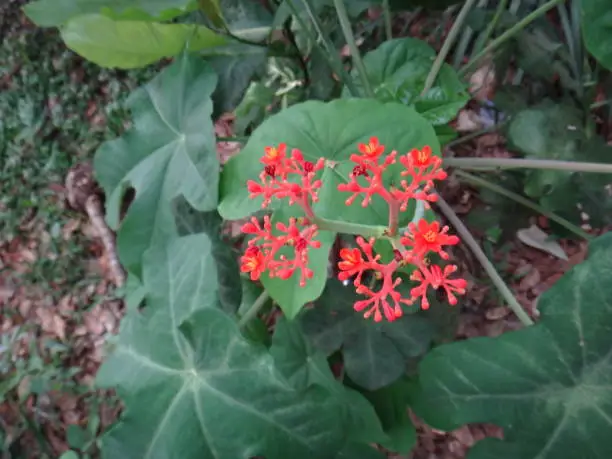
[
  {"x": 264, "y": 248},
  {"x": 274, "y": 156},
  {"x": 422, "y": 158},
  {"x": 423, "y": 168},
  {"x": 371, "y": 171},
  {"x": 371, "y": 150},
  {"x": 353, "y": 263},
  {"x": 274, "y": 179},
  {"x": 253, "y": 261},
  {"x": 435, "y": 277},
  {"x": 428, "y": 237}
]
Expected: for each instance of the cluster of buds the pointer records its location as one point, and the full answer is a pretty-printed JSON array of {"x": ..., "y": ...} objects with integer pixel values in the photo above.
[{"x": 294, "y": 178}]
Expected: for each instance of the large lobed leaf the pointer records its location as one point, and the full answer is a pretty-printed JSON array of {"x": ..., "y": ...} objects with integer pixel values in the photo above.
[
  {"x": 132, "y": 44},
  {"x": 189, "y": 221},
  {"x": 597, "y": 29},
  {"x": 375, "y": 354},
  {"x": 54, "y": 13},
  {"x": 169, "y": 152},
  {"x": 554, "y": 131},
  {"x": 193, "y": 387},
  {"x": 397, "y": 71},
  {"x": 549, "y": 386},
  {"x": 330, "y": 130},
  {"x": 305, "y": 366}
]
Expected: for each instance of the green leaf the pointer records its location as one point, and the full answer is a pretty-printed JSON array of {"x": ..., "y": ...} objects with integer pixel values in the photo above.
[
  {"x": 547, "y": 385},
  {"x": 253, "y": 107},
  {"x": 554, "y": 131},
  {"x": 54, "y": 13},
  {"x": 397, "y": 71},
  {"x": 303, "y": 366},
  {"x": 235, "y": 74},
  {"x": 375, "y": 354},
  {"x": 69, "y": 455},
  {"x": 189, "y": 221},
  {"x": 169, "y": 152},
  {"x": 193, "y": 387},
  {"x": 132, "y": 44},
  {"x": 288, "y": 293},
  {"x": 212, "y": 10},
  {"x": 330, "y": 130},
  {"x": 597, "y": 30},
  {"x": 360, "y": 451},
  {"x": 391, "y": 404}
]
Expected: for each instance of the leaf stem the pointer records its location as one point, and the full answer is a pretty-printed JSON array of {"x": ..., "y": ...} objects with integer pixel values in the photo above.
[
  {"x": 333, "y": 59},
  {"x": 387, "y": 18},
  {"x": 469, "y": 240},
  {"x": 535, "y": 14},
  {"x": 345, "y": 25},
  {"x": 514, "y": 163},
  {"x": 475, "y": 180},
  {"x": 448, "y": 44},
  {"x": 350, "y": 228},
  {"x": 255, "y": 308},
  {"x": 475, "y": 134},
  {"x": 488, "y": 32}
]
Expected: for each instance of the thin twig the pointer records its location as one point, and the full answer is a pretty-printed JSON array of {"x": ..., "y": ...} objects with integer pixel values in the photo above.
[
  {"x": 509, "y": 34},
  {"x": 448, "y": 44},
  {"x": 469, "y": 240},
  {"x": 488, "y": 32},
  {"x": 475, "y": 180},
  {"x": 519, "y": 163},
  {"x": 345, "y": 25},
  {"x": 387, "y": 18},
  {"x": 95, "y": 212},
  {"x": 252, "y": 312}
]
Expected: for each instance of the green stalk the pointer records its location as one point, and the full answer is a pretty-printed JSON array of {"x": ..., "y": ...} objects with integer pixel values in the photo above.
[
  {"x": 252, "y": 312},
  {"x": 345, "y": 25},
  {"x": 469, "y": 240},
  {"x": 448, "y": 44},
  {"x": 329, "y": 52},
  {"x": 473, "y": 135},
  {"x": 478, "y": 181},
  {"x": 514, "y": 163},
  {"x": 350, "y": 228},
  {"x": 509, "y": 34},
  {"x": 387, "y": 18},
  {"x": 488, "y": 32},
  {"x": 239, "y": 139}
]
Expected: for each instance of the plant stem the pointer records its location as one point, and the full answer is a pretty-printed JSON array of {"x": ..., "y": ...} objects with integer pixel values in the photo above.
[
  {"x": 252, "y": 312},
  {"x": 326, "y": 48},
  {"x": 240, "y": 139},
  {"x": 387, "y": 17},
  {"x": 473, "y": 135},
  {"x": 519, "y": 163},
  {"x": 488, "y": 32},
  {"x": 394, "y": 209},
  {"x": 469, "y": 240},
  {"x": 350, "y": 228},
  {"x": 475, "y": 180},
  {"x": 510, "y": 33},
  {"x": 345, "y": 25},
  {"x": 448, "y": 44}
]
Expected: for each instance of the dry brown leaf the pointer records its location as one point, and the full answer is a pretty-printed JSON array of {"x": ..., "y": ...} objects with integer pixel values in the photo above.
[{"x": 52, "y": 322}]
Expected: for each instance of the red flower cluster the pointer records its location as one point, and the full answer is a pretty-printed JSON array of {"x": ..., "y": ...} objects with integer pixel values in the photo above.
[
  {"x": 294, "y": 178},
  {"x": 277, "y": 170},
  {"x": 265, "y": 255}
]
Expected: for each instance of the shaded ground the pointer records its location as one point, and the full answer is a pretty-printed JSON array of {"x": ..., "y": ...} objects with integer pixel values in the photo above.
[{"x": 57, "y": 301}]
